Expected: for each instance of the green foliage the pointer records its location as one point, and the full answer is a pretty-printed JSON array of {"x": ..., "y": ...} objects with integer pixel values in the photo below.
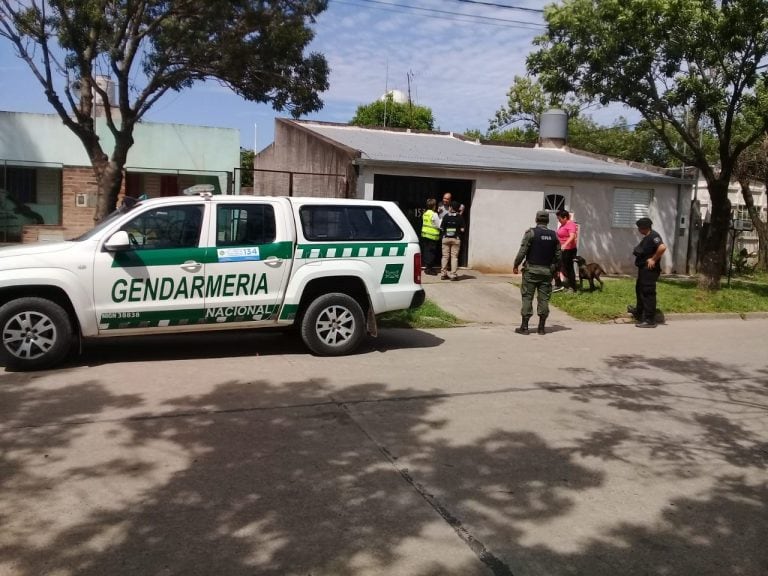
[
  {"x": 514, "y": 135},
  {"x": 246, "y": 167},
  {"x": 394, "y": 114},
  {"x": 526, "y": 102},
  {"x": 742, "y": 262}
]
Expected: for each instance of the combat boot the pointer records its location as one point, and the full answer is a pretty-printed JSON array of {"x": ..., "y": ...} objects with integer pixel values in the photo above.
[
  {"x": 542, "y": 321},
  {"x": 523, "y": 326}
]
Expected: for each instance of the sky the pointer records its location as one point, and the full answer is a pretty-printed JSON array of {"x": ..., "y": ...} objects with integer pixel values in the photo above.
[{"x": 461, "y": 57}]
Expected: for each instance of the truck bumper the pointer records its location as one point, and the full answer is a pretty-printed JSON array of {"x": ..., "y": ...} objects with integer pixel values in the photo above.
[{"x": 418, "y": 299}]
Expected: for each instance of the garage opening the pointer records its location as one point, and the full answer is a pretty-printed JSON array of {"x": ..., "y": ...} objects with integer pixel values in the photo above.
[{"x": 411, "y": 194}]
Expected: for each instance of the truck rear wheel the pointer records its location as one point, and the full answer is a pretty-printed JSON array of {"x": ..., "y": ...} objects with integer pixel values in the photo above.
[
  {"x": 333, "y": 325},
  {"x": 36, "y": 333}
]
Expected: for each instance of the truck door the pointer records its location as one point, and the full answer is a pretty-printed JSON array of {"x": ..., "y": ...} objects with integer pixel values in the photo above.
[
  {"x": 159, "y": 282},
  {"x": 245, "y": 278}
]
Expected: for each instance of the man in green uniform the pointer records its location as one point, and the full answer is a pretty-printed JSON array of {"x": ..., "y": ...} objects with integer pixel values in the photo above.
[{"x": 540, "y": 250}]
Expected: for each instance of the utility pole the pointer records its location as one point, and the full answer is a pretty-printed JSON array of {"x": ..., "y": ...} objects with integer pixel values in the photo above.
[
  {"x": 386, "y": 92},
  {"x": 409, "y": 76}
]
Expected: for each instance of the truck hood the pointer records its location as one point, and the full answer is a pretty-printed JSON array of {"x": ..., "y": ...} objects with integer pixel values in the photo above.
[{"x": 35, "y": 249}]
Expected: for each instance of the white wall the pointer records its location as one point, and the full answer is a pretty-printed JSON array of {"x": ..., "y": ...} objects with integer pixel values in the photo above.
[{"x": 504, "y": 205}]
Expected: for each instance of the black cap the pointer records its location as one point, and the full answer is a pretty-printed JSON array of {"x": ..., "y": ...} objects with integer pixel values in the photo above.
[{"x": 644, "y": 223}]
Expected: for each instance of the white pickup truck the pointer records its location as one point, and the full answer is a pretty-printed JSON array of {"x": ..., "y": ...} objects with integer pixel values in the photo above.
[{"x": 199, "y": 263}]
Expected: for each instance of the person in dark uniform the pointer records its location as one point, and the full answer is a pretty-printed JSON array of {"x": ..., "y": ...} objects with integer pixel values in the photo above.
[
  {"x": 540, "y": 250},
  {"x": 430, "y": 237},
  {"x": 451, "y": 229},
  {"x": 647, "y": 256}
]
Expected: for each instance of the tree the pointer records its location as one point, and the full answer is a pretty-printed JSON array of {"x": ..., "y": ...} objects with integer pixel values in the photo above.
[
  {"x": 393, "y": 114},
  {"x": 753, "y": 166},
  {"x": 246, "y": 167},
  {"x": 526, "y": 101},
  {"x": 254, "y": 47},
  {"x": 683, "y": 65}
]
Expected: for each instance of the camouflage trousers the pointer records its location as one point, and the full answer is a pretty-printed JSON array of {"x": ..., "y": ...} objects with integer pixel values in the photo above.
[{"x": 536, "y": 279}]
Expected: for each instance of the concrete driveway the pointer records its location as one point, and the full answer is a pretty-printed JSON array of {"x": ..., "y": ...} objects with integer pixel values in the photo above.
[{"x": 595, "y": 450}]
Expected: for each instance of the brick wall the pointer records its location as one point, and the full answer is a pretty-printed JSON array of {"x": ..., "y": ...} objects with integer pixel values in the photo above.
[{"x": 74, "y": 219}]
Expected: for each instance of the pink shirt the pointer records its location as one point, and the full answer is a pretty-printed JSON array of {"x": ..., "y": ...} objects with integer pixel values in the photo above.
[{"x": 566, "y": 230}]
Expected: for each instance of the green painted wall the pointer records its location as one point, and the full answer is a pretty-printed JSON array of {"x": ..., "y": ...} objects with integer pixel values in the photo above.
[{"x": 158, "y": 147}]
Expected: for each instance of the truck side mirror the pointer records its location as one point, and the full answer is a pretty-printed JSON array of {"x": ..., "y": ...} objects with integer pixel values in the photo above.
[{"x": 118, "y": 242}]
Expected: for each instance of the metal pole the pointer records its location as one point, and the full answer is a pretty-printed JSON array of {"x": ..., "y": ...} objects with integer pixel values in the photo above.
[{"x": 730, "y": 259}]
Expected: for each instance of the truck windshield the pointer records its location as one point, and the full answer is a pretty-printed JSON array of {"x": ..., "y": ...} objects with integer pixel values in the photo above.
[{"x": 106, "y": 222}]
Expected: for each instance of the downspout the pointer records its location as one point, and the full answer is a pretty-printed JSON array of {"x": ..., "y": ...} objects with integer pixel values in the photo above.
[{"x": 691, "y": 220}]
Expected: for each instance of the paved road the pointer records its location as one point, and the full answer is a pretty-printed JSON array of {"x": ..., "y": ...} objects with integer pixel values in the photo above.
[{"x": 594, "y": 450}]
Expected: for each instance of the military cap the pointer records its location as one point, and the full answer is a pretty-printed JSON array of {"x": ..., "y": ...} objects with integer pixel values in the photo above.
[
  {"x": 542, "y": 216},
  {"x": 644, "y": 223}
]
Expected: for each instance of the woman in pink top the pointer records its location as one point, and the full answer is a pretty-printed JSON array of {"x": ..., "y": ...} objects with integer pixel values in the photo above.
[{"x": 567, "y": 233}]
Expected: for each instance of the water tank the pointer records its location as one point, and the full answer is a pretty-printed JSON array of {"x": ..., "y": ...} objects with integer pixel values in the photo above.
[
  {"x": 553, "y": 129},
  {"x": 397, "y": 96}
]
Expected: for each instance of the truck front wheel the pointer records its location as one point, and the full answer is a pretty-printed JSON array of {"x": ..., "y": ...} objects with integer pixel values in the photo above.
[
  {"x": 333, "y": 325},
  {"x": 36, "y": 333}
]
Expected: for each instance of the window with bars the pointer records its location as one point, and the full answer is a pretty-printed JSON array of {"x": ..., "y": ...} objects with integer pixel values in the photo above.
[
  {"x": 554, "y": 202},
  {"x": 740, "y": 212},
  {"x": 20, "y": 182},
  {"x": 629, "y": 205}
]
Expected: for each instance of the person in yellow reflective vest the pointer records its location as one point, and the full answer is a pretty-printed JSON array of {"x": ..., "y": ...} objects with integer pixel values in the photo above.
[{"x": 430, "y": 237}]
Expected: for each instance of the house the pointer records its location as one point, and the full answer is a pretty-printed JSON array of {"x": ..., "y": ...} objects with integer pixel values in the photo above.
[
  {"x": 501, "y": 186},
  {"x": 745, "y": 238},
  {"x": 48, "y": 188}
]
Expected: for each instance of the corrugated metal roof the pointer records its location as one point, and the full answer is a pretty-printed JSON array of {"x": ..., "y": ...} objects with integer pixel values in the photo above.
[{"x": 446, "y": 151}]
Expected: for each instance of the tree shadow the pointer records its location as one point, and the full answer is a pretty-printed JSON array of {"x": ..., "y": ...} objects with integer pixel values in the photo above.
[{"x": 302, "y": 483}]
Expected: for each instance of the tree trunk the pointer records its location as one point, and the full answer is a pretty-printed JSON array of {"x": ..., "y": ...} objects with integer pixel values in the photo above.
[
  {"x": 762, "y": 250},
  {"x": 760, "y": 227},
  {"x": 713, "y": 252},
  {"x": 109, "y": 174}
]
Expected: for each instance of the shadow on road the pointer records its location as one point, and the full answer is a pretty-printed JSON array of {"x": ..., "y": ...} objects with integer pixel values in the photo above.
[{"x": 306, "y": 489}]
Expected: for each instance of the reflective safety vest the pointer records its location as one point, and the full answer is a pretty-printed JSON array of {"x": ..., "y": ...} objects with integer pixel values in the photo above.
[{"x": 429, "y": 231}]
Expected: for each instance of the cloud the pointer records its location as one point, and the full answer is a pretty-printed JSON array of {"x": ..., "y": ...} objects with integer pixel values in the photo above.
[{"x": 461, "y": 70}]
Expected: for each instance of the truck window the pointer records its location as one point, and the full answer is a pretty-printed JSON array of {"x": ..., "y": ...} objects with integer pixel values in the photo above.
[
  {"x": 245, "y": 224},
  {"x": 343, "y": 223},
  {"x": 166, "y": 227}
]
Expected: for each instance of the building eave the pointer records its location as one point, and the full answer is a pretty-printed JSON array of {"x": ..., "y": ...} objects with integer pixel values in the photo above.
[{"x": 655, "y": 178}]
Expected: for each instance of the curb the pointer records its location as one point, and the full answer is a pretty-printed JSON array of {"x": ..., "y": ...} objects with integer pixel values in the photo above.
[{"x": 698, "y": 316}]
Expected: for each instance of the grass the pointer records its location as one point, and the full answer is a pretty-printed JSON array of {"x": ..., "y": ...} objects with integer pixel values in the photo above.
[
  {"x": 428, "y": 315},
  {"x": 745, "y": 294},
  {"x": 673, "y": 296}
]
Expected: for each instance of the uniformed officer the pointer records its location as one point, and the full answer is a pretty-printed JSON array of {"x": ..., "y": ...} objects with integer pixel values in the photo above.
[
  {"x": 540, "y": 249},
  {"x": 647, "y": 256}
]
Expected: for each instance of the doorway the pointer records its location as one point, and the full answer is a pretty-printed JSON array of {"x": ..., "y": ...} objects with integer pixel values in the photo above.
[{"x": 411, "y": 193}]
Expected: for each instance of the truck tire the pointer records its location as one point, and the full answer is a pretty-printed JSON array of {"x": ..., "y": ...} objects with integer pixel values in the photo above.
[
  {"x": 36, "y": 333},
  {"x": 333, "y": 325}
]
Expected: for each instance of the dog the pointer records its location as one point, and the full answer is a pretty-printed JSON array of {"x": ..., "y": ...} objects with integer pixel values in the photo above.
[{"x": 590, "y": 272}]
